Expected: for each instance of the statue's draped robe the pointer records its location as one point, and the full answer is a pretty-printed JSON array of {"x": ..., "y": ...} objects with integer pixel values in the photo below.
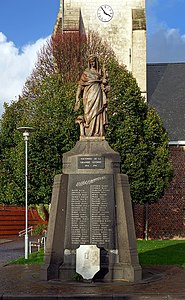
[{"x": 94, "y": 100}]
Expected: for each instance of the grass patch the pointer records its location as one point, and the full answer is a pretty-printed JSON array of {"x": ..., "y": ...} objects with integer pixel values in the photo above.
[
  {"x": 155, "y": 252},
  {"x": 162, "y": 252},
  {"x": 35, "y": 258}
]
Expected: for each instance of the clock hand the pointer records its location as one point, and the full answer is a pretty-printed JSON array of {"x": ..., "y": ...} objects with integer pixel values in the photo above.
[{"x": 105, "y": 12}]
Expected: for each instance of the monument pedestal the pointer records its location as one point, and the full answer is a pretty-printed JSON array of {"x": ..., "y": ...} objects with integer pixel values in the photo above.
[{"x": 91, "y": 205}]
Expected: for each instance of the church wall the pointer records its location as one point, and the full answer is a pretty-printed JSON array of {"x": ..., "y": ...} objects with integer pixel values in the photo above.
[{"x": 139, "y": 55}]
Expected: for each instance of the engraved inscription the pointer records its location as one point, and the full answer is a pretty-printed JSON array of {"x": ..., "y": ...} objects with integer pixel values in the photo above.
[
  {"x": 91, "y": 211},
  {"x": 91, "y": 162},
  {"x": 79, "y": 216},
  {"x": 100, "y": 214},
  {"x": 90, "y": 181}
]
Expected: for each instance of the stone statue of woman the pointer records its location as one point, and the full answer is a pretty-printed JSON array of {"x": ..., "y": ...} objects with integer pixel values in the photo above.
[{"x": 93, "y": 88}]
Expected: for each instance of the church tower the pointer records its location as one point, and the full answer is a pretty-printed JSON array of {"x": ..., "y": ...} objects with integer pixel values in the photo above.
[{"x": 122, "y": 23}]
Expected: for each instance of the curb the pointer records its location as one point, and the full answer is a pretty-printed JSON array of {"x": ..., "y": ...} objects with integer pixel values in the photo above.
[{"x": 93, "y": 297}]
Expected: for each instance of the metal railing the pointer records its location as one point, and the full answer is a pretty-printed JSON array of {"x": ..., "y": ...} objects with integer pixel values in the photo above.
[
  {"x": 23, "y": 232},
  {"x": 40, "y": 243}
]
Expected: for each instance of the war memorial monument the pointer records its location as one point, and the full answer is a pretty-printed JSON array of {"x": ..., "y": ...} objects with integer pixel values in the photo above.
[{"x": 91, "y": 228}]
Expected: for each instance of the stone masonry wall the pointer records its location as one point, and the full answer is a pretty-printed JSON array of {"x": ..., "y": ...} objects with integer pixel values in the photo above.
[{"x": 166, "y": 219}]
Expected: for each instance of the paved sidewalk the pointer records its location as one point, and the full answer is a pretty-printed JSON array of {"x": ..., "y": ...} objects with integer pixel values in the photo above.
[
  {"x": 23, "y": 282},
  {"x": 3, "y": 241},
  {"x": 11, "y": 249}
]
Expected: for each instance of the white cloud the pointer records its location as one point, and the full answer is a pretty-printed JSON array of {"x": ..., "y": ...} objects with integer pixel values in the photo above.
[
  {"x": 166, "y": 45},
  {"x": 15, "y": 65}
]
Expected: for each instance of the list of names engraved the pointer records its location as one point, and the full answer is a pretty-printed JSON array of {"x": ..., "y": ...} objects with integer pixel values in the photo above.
[
  {"x": 100, "y": 215},
  {"x": 92, "y": 210},
  {"x": 79, "y": 216}
]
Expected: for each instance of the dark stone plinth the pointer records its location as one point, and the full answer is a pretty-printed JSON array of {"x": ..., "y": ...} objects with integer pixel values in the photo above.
[
  {"x": 100, "y": 158},
  {"x": 54, "y": 254},
  {"x": 91, "y": 205}
]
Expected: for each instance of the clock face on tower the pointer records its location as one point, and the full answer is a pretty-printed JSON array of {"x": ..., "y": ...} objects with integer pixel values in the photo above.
[{"x": 105, "y": 13}]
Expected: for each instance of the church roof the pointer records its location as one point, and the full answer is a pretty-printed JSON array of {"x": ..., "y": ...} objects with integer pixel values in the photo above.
[{"x": 166, "y": 92}]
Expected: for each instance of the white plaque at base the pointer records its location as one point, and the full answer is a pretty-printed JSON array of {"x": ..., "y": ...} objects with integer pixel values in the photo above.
[{"x": 87, "y": 261}]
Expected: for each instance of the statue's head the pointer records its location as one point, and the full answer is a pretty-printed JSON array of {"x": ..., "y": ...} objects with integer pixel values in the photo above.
[{"x": 93, "y": 61}]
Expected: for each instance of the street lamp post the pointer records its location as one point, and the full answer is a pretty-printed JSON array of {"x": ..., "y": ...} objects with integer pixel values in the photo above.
[{"x": 26, "y": 132}]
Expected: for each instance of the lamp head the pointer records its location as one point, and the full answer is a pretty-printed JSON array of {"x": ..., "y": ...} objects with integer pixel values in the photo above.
[{"x": 26, "y": 131}]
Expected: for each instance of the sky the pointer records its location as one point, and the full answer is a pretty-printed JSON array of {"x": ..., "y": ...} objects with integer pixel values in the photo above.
[{"x": 25, "y": 25}]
